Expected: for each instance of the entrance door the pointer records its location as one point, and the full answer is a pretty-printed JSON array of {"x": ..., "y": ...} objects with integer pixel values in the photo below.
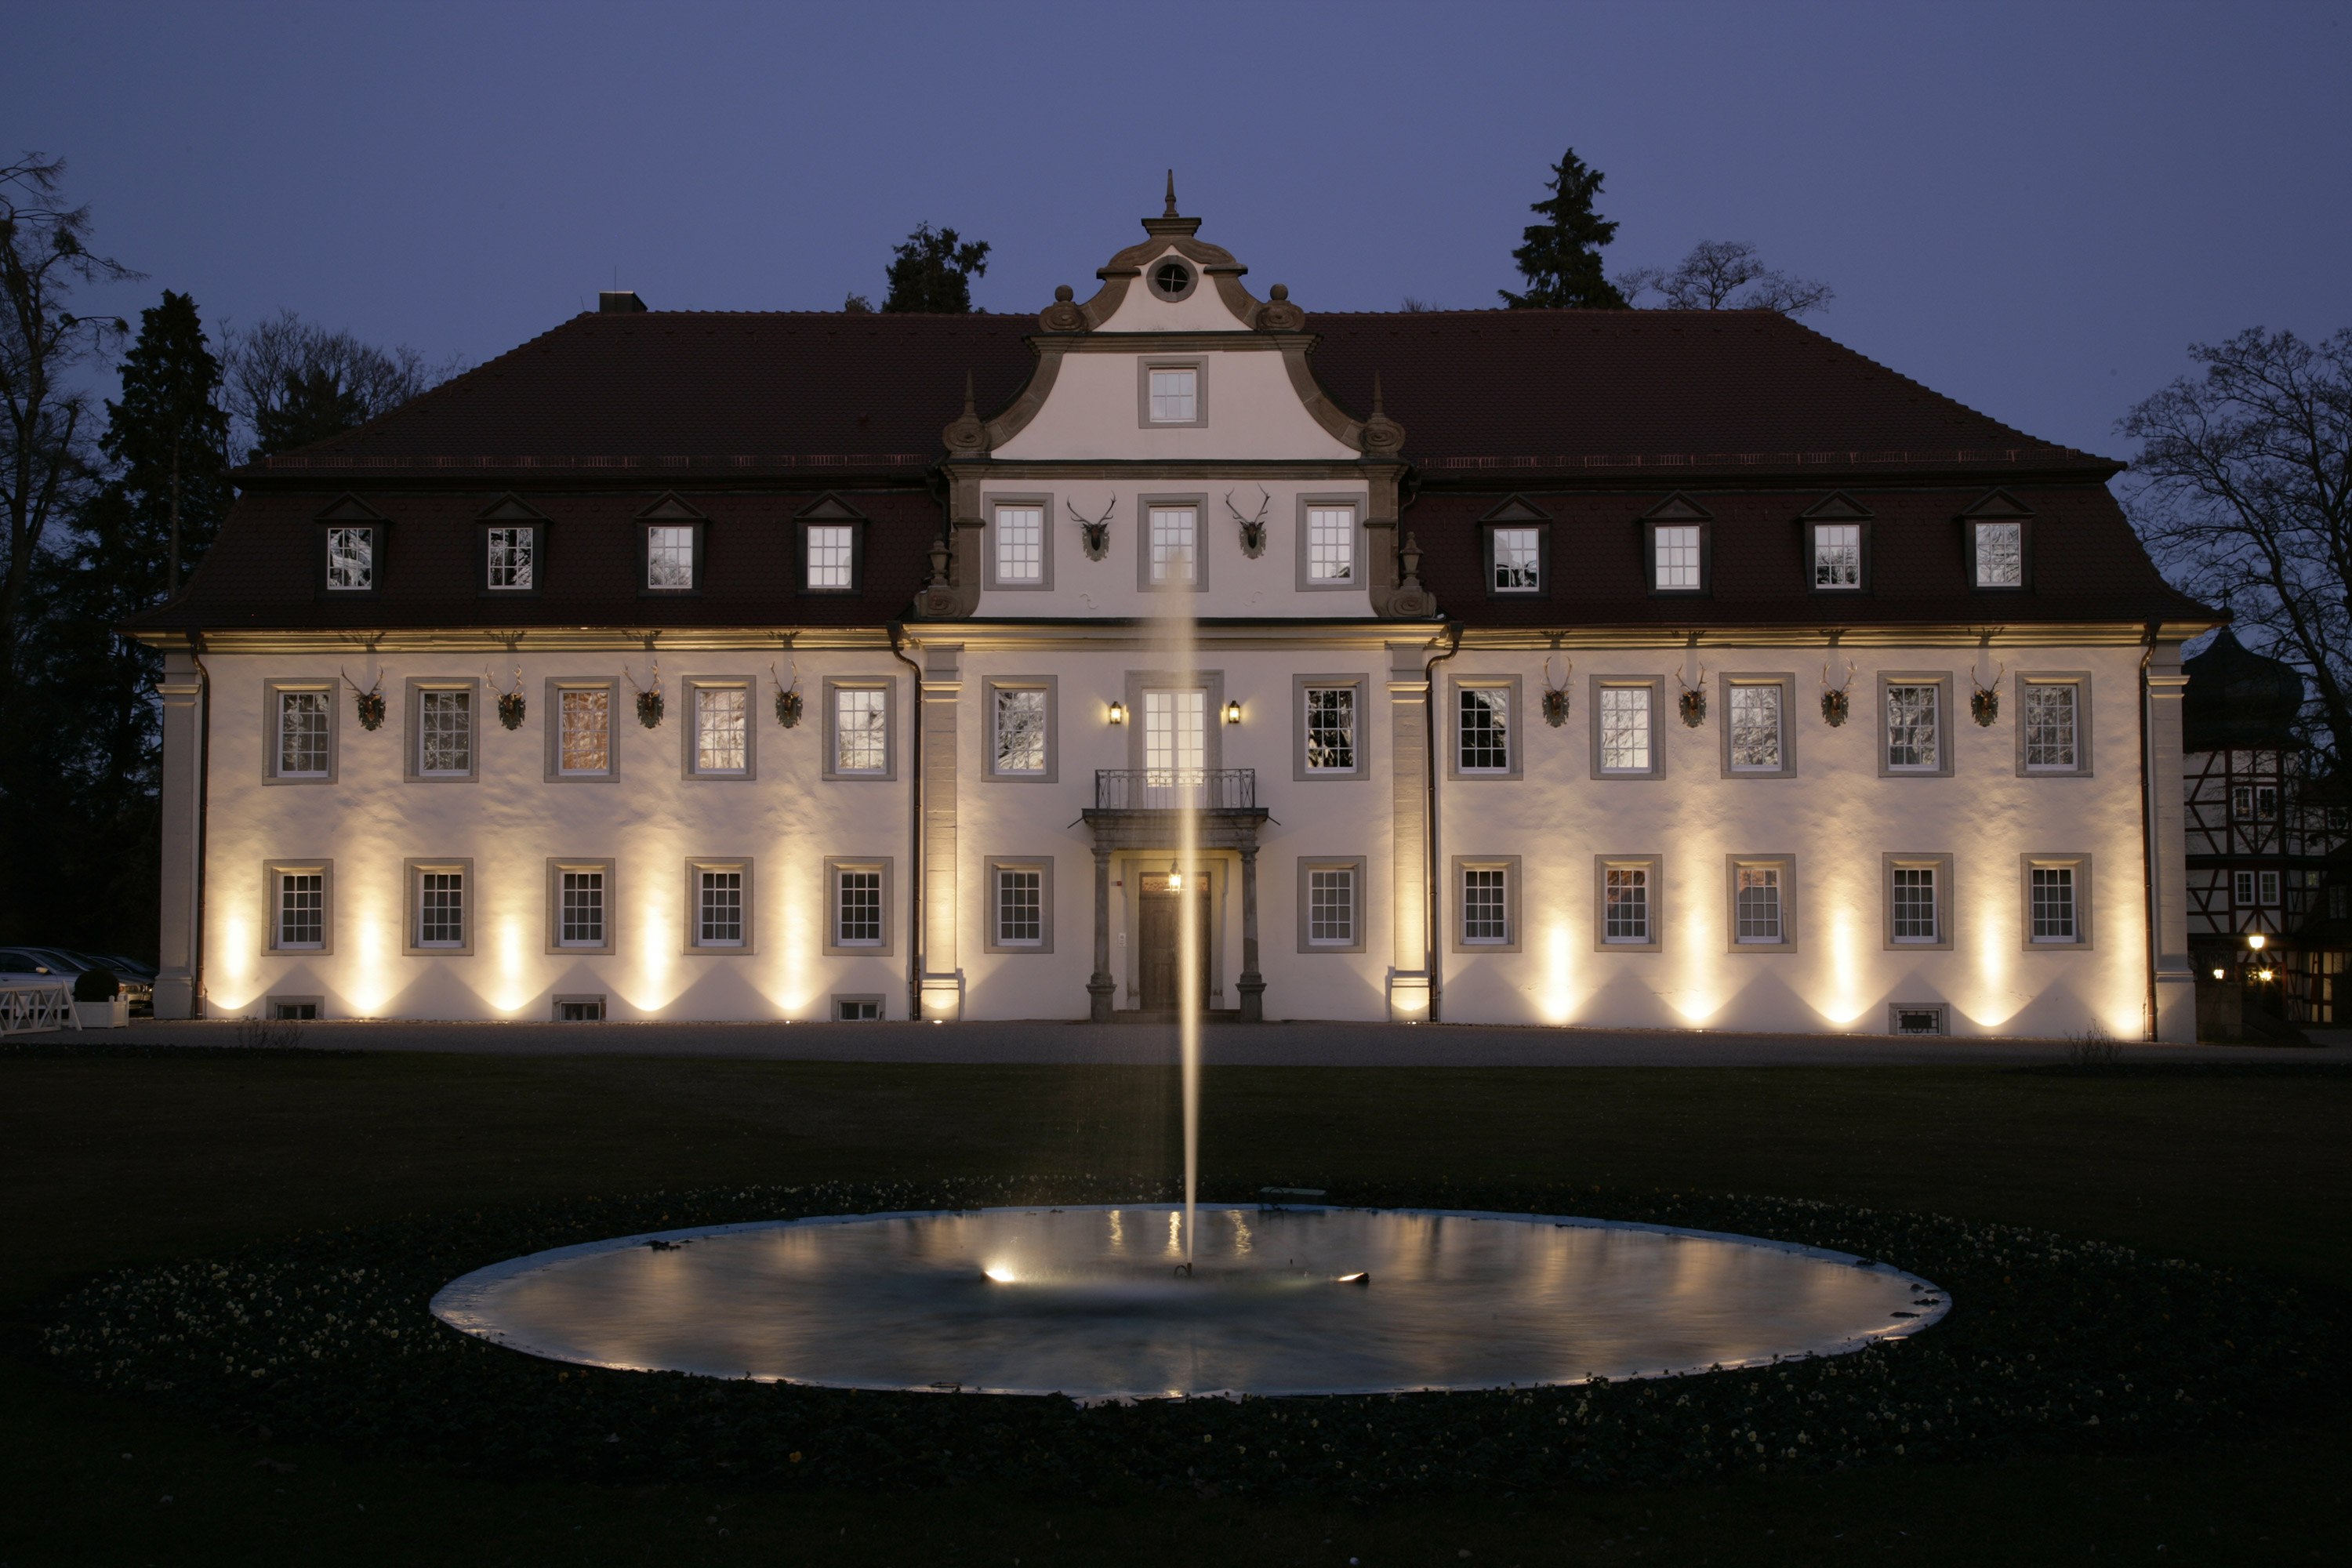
[{"x": 1159, "y": 956}]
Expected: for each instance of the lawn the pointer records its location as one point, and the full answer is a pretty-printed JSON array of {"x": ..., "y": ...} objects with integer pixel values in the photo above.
[{"x": 111, "y": 1160}]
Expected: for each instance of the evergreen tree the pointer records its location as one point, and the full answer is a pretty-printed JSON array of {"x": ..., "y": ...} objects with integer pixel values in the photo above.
[
  {"x": 933, "y": 271},
  {"x": 168, "y": 441},
  {"x": 1561, "y": 257}
]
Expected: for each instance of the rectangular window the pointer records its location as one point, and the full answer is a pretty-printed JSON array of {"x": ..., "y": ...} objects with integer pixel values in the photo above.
[
  {"x": 856, "y": 908},
  {"x": 2243, "y": 887},
  {"x": 1756, "y": 905},
  {"x": 1020, "y": 906},
  {"x": 584, "y": 731},
  {"x": 351, "y": 559},
  {"x": 579, "y": 1009},
  {"x": 1175, "y": 560},
  {"x": 287, "y": 1010},
  {"x": 828, "y": 549},
  {"x": 1518, "y": 560},
  {"x": 2266, "y": 799},
  {"x": 580, "y": 920},
  {"x": 858, "y": 1009},
  {"x": 1914, "y": 726},
  {"x": 304, "y": 718},
  {"x": 1484, "y": 743},
  {"x": 1916, "y": 913},
  {"x": 2001, "y": 555},
  {"x": 717, "y": 908},
  {"x": 445, "y": 739},
  {"x": 1175, "y": 396},
  {"x": 1625, "y": 715},
  {"x": 2268, "y": 882},
  {"x": 669, "y": 556},
  {"x": 1755, "y": 728},
  {"x": 1675, "y": 553},
  {"x": 1021, "y": 731},
  {"x": 1020, "y": 545},
  {"x": 2050, "y": 708},
  {"x": 301, "y": 910},
  {"x": 861, "y": 729},
  {"x": 1331, "y": 545},
  {"x": 441, "y": 908},
  {"x": 1625, "y": 905},
  {"x": 1837, "y": 555},
  {"x": 511, "y": 553},
  {"x": 1331, "y": 906},
  {"x": 2050, "y": 890},
  {"x": 1175, "y": 734},
  {"x": 1330, "y": 728},
  {"x": 1486, "y": 905},
  {"x": 721, "y": 730}
]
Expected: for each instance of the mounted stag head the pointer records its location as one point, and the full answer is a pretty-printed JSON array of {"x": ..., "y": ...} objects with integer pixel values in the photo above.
[
  {"x": 1555, "y": 694},
  {"x": 1094, "y": 535},
  {"x": 1984, "y": 702},
  {"x": 1692, "y": 701},
  {"x": 1835, "y": 704},
  {"x": 1253, "y": 528},
  {"x": 788, "y": 697},
  {"x": 649, "y": 699},
  {"x": 511, "y": 707},
  {"x": 370, "y": 703}
]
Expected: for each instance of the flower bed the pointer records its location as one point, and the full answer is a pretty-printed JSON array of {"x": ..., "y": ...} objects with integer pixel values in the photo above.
[{"x": 2051, "y": 1345}]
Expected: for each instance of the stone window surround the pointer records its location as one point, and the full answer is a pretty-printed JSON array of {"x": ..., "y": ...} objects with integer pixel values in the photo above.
[
  {"x": 376, "y": 556},
  {"x": 833, "y": 865},
  {"x": 701, "y": 557},
  {"x": 1542, "y": 590},
  {"x": 1361, "y": 865},
  {"x": 1725, "y": 682},
  {"x": 1051, "y": 684},
  {"x": 556, "y": 1002},
  {"x": 1359, "y": 545},
  {"x": 1509, "y": 865},
  {"x": 1514, "y": 718},
  {"x": 888, "y": 686},
  {"x": 1943, "y": 1011},
  {"x": 272, "y": 723},
  {"x": 1601, "y": 865},
  {"x": 551, "y": 707},
  {"x": 1210, "y": 683},
  {"x": 1151, "y": 279},
  {"x": 1200, "y": 506},
  {"x": 556, "y": 865},
  {"x": 1657, "y": 685},
  {"x": 801, "y": 526},
  {"x": 412, "y": 741},
  {"x": 1861, "y": 589},
  {"x": 690, "y": 934},
  {"x": 2080, "y": 863},
  {"x": 2025, "y": 582},
  {"x": 1705, "y": 526},
  {"x": 538, "y": 559},
  {"x": 324, "y": 870},
  {"x": 2080, "y": 680},
  {"x": 1945, "y": 903},
  {"x": 833, "y": 1004},
  {"x": 1045, "y": 503},
  {"x": 1041, "y": 863},
  {"x": 1787, "y": 867},
  {"x": 691, "y": 729},
  {"x": 414, "y": 868},
  {"x": 1947, "y": 729},
  {"x": 1197, "y": 364},
  {"x": 1299, "y": 772},
  {"x": 275, "y": 1000}
]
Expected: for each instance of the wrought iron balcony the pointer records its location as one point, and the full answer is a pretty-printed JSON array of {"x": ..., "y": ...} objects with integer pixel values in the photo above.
[{"x": 1173, "y": 789}]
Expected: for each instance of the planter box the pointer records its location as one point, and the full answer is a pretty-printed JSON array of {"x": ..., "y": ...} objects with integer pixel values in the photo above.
[{"x": 114, "y": 1015}]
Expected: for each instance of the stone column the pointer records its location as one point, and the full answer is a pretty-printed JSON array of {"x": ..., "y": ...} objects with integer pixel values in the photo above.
[
  {"x": 179, "y": 960},
  {"x": 2168, "y": 849},
  {"x": 942, "y": 987},
  {"x": 1408, "y": 830},
  {"x": 1099, "y": 984},
  {"x": 1253, "y": 984}
]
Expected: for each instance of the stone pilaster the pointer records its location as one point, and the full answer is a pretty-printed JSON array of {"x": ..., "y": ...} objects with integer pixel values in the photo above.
[
  {"x": 942, "y": 980},
  {"x": 179, "y": 982},
  {"x": 1409, "y": 830},
  {"x": 1253, "y": 984},
  {"x": 2168, "y": 871},
  {"x": 1099, "y": 984}
]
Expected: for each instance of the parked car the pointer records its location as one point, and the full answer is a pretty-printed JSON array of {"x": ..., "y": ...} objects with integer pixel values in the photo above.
[
  {"x": 129, "y": 967},
  {"x": 20, "y": 967},
  {"x": 66, "y": 962}
]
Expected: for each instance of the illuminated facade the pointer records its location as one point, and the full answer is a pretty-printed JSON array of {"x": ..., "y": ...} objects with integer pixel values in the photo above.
[{"x": 1629, "y": 669}]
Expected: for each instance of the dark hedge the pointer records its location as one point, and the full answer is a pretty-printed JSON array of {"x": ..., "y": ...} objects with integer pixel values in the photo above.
[{"x": 2051, "y": 1344}]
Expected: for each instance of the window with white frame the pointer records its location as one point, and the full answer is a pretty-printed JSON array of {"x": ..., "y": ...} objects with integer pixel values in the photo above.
[
  {"x": 1175, "y": 396},
  {"x": 1331, "y": 545},
  {"x": 1020, "y": 545},
  {"x": 350, "y": 558},
  {"x": 1625, "y": 905},
  {"x": 856, "y": 907},
  {"x": 1674, "y": 556},
  {"x": 722, "y": 717},
  {"x": 2053, "y": 709},
  {"x": 1625, "y": 717},
  {"x": 1916, "y": 913},
  {"x": 828, "y": 549},
  {"x": 1175, "y": 560},
  {"x": 445, "y": 733},
  {"x": 511, "y": 553},
  {"x": 1756, "y": 905},
  {"x": 2050, "y": 893},
  {"x": 1486, "y": 905},
  {"x": 669, "y": 556},
  {"x": 579, "y": 911},
  {"x": 1020, "y": 906},
  {"x": 1518, "y": 560},
  {"x": 305, "y": 734},
  {"x": 1999, "y": 554},
  {"x": 2268, "y": 882},
  {"x": 584, "y": 729},
  {"x": 1175, "y": 733},
  {"x": 440, "y": 907},
  {"x": 1331, "y": 906},
  {"x": 1330, "y": 728},
  {"x": 861, "y": 729},
  {"x": 1757, "y": 742},
  {"x": 1837, "y": 555},
  {"x": 1484, "y": 740},
  {"x": 301, "y": 910},
  {"x": 1914, "y": 726},
  {"x": 717, "y": 907},
  {"x": 1022, "y": 730},
  {"x": 2243, "y": 887}
]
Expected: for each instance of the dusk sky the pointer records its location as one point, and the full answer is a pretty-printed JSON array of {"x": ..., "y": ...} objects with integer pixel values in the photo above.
[{"x": 2032, "y": 207}]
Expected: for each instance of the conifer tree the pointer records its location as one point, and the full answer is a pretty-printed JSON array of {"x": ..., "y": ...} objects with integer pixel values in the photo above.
[
  {"x": 933, "y": 271},
  {"x": 1561, "y": 257},
  {"x": 168, "y": 440}
]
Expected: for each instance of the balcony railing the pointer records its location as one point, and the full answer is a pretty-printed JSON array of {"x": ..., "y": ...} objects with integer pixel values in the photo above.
[{"x": 1173, "y": 789}]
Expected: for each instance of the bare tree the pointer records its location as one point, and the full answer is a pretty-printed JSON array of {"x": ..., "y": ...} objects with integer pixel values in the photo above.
[
  {"x": 292, "y": 381},
  {"x": 1414, "y": 304},
  {"x": 2243, "y": 490},
  {"x": 1712, "y": 277},
  {"x": 46, "y": 466}
]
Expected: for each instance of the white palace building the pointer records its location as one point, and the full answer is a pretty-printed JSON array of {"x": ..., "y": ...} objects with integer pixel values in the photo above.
[{"x": 1639, "y": 668}]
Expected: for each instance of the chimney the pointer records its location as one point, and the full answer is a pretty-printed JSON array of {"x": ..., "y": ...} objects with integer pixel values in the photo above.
[{"x": 618, "y": 301}]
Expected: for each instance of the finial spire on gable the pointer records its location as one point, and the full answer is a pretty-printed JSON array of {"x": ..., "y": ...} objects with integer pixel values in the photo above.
[
  {"x": 971, "y": 412},
  {"x": 1376, "y": 392},
  {"x": 1170, "y": 211}
]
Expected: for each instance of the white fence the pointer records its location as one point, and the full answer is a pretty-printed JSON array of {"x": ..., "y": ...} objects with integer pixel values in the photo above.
[{"x": 28, "y": 1009}]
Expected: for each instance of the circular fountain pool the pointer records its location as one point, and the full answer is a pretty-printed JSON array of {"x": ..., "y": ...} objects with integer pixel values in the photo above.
[{"x": 1095, "y": 1302}]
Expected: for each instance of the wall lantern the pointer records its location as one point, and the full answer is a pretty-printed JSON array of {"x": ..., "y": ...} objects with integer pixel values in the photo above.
[
  {"x": 1234, "y": 712},
  {"x": 2263, "y": 975},
  {"x": 2258, "y": 941},
  {"x": 1118, "y": 712},
  {"x": 2219, "y": 975},
  {"x": 1175, "y": 879}
]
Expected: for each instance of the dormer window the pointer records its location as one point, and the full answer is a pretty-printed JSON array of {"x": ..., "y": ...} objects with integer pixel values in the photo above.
[
  {"x": 1999, "y": 554},
  {"x": 1175, "y": 396},
  {"x": 350, "y": 558},
  {"x": 1518, "y": 560},
  {"x": 669, "y": 558},
  {"x": 1678, "y": 544},
  {"x": 1837, "y": 555},
  {"x": 513, "y": 558}
]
